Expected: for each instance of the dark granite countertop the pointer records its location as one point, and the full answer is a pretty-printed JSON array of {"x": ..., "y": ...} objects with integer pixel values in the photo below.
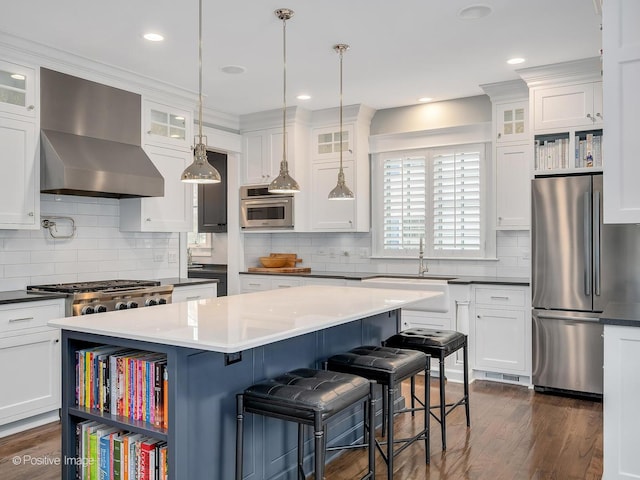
[
  {"x": 185, "y": 282},
  {"x": 17, "y": 296},
  {"x": 621, "y": 314},
  {"x": 453, "y": 280}
]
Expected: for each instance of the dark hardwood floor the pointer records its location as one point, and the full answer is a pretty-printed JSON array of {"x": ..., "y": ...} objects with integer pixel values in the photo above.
[{"x": 515, "y": 434}]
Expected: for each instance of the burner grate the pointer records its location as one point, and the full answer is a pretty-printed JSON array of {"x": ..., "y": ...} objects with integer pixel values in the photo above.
[{"x": 96, "y": 286}]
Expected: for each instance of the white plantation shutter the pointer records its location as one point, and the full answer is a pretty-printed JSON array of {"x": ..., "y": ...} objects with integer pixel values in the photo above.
[
  {"x": 456, "y": 202},
  {"x": 435, "y": 194},
  {"x": 404, "y": 206}
]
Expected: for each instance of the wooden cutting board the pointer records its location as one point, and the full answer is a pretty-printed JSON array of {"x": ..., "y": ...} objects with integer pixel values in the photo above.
[{"x": 279, "y": 270}]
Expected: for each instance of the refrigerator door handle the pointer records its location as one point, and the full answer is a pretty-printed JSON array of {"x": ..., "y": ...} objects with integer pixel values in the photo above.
[
  {"x": 596, "y": 243},
  {"x": 587, "y": 243},
  {"x": 568, "y": 318}
]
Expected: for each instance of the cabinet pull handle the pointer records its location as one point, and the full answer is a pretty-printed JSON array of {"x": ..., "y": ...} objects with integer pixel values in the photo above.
[
  {"x": 590, "y": 117},
  {"x": 499, "y": 297},
  {"x": 31, "y": 107},
  {"x": 284, "y": 286},
  {"x": 599, "y": 115},
  {"x": 195, "y": 297},
  {"x": 254, "y": 284},
  {"x": 23, "y": 319}
]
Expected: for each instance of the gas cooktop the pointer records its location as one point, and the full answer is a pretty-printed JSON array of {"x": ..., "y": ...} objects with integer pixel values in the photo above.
[{"x": 97, "y": 286}]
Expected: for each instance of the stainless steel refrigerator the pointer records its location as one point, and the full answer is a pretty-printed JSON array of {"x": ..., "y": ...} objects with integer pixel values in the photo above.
[{"x": 578, "y": 266}]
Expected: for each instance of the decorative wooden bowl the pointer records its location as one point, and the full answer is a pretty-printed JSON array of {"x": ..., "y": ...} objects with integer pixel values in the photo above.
[{"x": 273, "y": 262}]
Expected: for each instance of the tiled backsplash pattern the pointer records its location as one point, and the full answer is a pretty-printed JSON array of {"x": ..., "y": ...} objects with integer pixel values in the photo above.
[
  {"x": 98, "y": 251},
  {"x": 349, "y": 252}
]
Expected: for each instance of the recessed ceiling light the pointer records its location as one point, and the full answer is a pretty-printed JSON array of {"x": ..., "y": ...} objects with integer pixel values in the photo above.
[
  {"x": 153, "y": 37},
  {"x": 304, "y": 97},
  {"x": 425, "y": 99},
  {"x": 515, "y": 61},
  {"x": 18, "y": 76},
  {"x": 474, "y": 12},
  {"x": 233, "y": 69}
]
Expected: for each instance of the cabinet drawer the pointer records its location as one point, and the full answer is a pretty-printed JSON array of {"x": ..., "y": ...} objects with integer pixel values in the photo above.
[
  {"x": 500, "y": 297},
  {"x": 33, "y": 316},
  {"x": 185, "y": 294},
  {"x": 284, "y": 283},
  {"x": 251, "y": 283}
]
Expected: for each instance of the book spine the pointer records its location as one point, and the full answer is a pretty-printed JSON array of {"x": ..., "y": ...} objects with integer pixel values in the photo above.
[
  {"x": 104, "y": 458},
  {"x": 165, "y": 396},
  {"x": 117, "y": 459}
]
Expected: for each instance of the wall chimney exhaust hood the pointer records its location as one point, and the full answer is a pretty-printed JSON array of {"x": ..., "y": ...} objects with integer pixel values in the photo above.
[{"x": 90, "y": 140}]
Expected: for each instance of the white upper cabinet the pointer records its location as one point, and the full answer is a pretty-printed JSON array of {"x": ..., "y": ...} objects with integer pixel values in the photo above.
[
  {"x": 263, "y": 153},
  {"x": 20, "y": 181},
  {"x": 512, "y": 122},
  {"x": 327, "y": 142},
  {"x": 513, "y": 186},
  {"x": 332, "y": 215},
  {"x": 17, "y": 89},
  {"x": 171, "y": 213},
  {"x": 621, "y": 44},
  {"x": 168, "y": 126},
  {"x": 578, "y": 105}
]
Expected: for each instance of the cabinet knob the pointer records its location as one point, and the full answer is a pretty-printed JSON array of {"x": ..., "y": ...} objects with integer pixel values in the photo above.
[
  {"x": 31, "y": 214},
  {"x": 590, "y": 117},
  {"x": 499, "y": 135},
  {"x": 599, "y": 115},
  {"x": 478, "y": 316},
  {"x": 148, "y": 219},
  {"x": 57, "y": 340},
  {"x": 31, "y": 107}
]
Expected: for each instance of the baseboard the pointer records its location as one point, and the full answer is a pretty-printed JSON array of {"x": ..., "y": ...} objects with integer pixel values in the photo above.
[{"x": 29, "y": 423}]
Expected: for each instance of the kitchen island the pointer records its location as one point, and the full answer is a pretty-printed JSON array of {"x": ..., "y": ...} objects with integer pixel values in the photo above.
[{"x": 217, "y": 347}]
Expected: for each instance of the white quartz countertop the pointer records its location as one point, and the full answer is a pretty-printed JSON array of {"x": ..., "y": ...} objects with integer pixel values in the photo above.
[{"x": 241, "y": 322}]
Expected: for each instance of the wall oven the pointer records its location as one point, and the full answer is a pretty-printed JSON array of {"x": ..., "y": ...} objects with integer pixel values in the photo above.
[{"x": 260, "y": 209}]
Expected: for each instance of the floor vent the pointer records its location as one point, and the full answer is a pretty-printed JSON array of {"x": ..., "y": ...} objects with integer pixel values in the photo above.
[{"x": 502, "y": 376}]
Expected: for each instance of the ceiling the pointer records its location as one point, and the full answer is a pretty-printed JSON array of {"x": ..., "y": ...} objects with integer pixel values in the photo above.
[{"x": 400, "y": 50}]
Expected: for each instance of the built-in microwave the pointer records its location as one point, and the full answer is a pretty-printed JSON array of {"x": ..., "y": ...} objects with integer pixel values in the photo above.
[{"x": 260, "y": 209}]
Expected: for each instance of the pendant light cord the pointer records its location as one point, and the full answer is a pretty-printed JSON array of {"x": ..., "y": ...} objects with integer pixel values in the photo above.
[
  {"x": 341, "y": 132},
  {"x": 284, "y": 90},
  {"x": 200, "y": 71}
]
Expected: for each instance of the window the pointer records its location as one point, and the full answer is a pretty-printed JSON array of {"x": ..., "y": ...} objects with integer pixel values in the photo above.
[
  {"x": 435, "y": 194},
  {"x": 194, "y": 238}
]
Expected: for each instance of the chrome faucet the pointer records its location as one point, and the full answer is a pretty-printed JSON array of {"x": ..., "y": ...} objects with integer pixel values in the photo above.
[{"x": 422, "y": 266}]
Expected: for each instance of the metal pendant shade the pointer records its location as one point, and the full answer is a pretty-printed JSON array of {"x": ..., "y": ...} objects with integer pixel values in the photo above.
[
  {"x": 341, "y": 191},
  {"x": 200, "y": 171},
  {"x": 284, "y": 182}
]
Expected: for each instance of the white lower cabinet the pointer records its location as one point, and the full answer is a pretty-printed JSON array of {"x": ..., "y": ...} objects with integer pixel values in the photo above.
[
  {"x": 194, "y": 292},
  {"x": 257, "y": 283},
  {"x": 621, "y": 435},
  {"x": 30, "y": 359},
  {"x": 502, "y": 333}
]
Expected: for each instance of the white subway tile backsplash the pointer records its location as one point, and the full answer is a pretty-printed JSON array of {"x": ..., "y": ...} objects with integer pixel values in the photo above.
[{"x": 98, "y": 251}]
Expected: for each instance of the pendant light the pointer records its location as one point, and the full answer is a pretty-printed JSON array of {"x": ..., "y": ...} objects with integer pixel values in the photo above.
[
  {"x": 341, "y": 191},
  {"x": 284, "y": 183},
  {"x": 200, "y": 171}
]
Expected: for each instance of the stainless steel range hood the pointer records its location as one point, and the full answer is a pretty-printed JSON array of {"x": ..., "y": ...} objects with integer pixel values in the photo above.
[{"x": 91, "y": 137}]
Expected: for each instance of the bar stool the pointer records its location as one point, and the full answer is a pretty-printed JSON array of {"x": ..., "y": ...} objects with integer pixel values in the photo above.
[
  {"x": 387, "y": 367},
  {"x": 439, "y": 344},
  {"x": 307, "y": 397}
]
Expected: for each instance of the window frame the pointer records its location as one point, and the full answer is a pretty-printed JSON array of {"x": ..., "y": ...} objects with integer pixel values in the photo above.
[{"x": 429, "y": 153}]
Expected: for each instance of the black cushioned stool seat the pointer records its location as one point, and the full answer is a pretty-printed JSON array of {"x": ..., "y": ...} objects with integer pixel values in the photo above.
[
  {"x": 307, "y": 397},
  {"x": 439, "y": 344},
  {"x": 387, "y": 367}
]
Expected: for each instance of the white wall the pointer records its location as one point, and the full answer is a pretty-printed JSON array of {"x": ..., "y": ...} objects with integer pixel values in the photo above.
[
  {"x": 99, "y": 251},
  {"x": 349, "y": 252}
]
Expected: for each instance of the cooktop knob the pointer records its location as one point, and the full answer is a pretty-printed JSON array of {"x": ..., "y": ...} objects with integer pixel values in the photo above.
[
  {"x": 121, "y": 306},
  {"x": 87, "y": 310},
  {"x": 100, "y": 309},
  {"x": 151, "y": 302},
  {"x": 162, "y": 301},
  {"x": 132, "y": 304}
]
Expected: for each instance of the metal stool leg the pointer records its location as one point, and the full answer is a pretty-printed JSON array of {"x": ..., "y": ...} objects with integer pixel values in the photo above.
[
  {"x": 300, "y": 451},
  {"x": 239, "y": 435},
  {"x": 391, "y": 395},
  {"x": 466, "y": 383},
  {"x": 372, "y": 432},
  {"x": 318, "y": 434},
  {"x": 443, "y": 406},
  {"x": 385, "y": 409},
  {"x": 427, "y": 410},
  {"x": 413, "y": 396}
]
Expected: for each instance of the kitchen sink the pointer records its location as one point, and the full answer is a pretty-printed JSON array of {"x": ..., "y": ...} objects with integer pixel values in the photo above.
[{"x": 428, "y": 284}]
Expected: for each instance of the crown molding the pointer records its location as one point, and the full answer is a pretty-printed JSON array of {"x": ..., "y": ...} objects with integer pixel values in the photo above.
[
  {"x": 583, "y": 70},
  {"x": 506, "y": 91}
]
